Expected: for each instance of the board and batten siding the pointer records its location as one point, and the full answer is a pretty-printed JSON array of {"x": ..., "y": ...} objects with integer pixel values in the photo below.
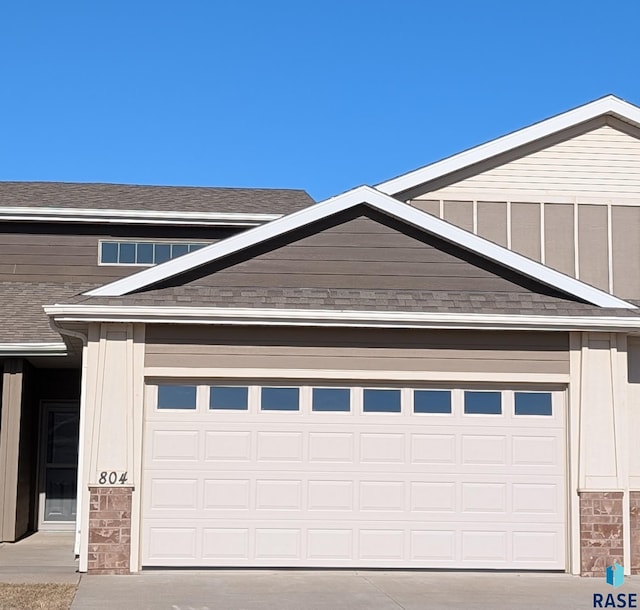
[
  {"x": 356, "y": 349},
  {"x": 362, "y": 253},
  {"x": 69, "y": 253},
  {"x": 572, "y": 203}
]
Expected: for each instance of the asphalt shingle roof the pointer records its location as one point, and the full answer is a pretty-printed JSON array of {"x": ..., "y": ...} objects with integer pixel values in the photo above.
[
  {"x": 516, "y": 303},
  {"x": 154, "y": 198},
  {"x": 23, "y": 319}
]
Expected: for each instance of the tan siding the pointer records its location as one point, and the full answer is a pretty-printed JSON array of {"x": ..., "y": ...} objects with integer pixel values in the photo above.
[
  {"x": 559, "y": 237},
  {"x": 604, "y": 160},
  {"x": 359, "y": 254},
  {"x": 357, "y": 349},
  {"x": 525, "y": 229},
  {"x": 459, "y": 213},
  {"x": 592, "y": 246},
  {"x": 432, "y": 206},
  {"x": 492, "y": 221},
  {"x": 625, "y": 227}
]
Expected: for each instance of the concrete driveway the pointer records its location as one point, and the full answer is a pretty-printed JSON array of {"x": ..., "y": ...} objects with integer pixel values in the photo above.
[
  {"x": 46, "y": 557},
  {"x": 337, "y": 590}
]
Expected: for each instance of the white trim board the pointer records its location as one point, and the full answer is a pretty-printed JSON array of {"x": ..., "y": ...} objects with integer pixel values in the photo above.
[
  {"x": 33, "y": 349},
  {"x": 353, "y": 374},
  {"x": 150, "y": 217},
  {"x": 365, "y": 319},
  {"x": 610, "y": 105},
  {"x": 377, "y": 201}
]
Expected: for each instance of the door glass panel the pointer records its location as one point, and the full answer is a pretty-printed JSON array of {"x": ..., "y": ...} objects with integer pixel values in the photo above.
[
  {"x": 60, "y": 494},
  {"x": 61, "y": 465},
  {"x": 62, "y": 438}
]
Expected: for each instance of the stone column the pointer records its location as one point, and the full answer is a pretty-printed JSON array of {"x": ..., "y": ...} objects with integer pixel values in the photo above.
[
  {"x": 109, "y": 530},
  {"x": 600, "y": 531}
]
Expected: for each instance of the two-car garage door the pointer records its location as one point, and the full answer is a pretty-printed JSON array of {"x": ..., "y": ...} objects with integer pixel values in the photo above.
[{"x": 290, "y": 475}]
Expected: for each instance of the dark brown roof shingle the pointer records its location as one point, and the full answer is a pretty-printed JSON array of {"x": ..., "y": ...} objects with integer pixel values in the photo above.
[
  {"x": 153, "y": 198},
  {"x": 522, "y": 303}
]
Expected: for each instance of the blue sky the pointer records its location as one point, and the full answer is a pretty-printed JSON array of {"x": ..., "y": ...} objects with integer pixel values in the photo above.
[{"x": 322, "y": 95}]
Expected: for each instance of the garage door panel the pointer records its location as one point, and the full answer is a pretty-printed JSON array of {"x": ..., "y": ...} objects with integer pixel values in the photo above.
[{"x": 353, "y": 489}]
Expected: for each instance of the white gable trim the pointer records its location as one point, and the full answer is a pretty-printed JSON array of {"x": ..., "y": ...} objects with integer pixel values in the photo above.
[
  {"x": 607, "y": 105},
  {"x": 384, "y": 203},
  {"x": 344, "y": 318}
]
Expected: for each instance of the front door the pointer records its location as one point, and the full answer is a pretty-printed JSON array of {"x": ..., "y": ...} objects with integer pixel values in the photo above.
[{"x": 58, "y": 466}]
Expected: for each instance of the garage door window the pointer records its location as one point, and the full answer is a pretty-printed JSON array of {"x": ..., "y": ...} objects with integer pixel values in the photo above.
[
  {"x": 381, "y": 401},
  {"x": 280, "y": 399},
  {"x": 432, "y": 401},
  {"x": 229, "y": 398},
  {"x": 533, "y": 403},
  {"x": 176, "y": 397},
  {"x": 331, "y": 399},
  {"x": 482, "y": 403}
]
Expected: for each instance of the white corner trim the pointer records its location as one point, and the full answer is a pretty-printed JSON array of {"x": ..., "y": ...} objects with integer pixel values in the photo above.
[
  {"x": 606, "y": 105},
  {"x": 383, "y": 203},
  {"x": 33, "y": 349},
  {"x": 110, "y": 216},
  {"x": 364, "y": 319}
]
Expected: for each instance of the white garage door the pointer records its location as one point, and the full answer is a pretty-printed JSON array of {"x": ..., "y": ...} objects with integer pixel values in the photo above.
[{"x": 353, "y": 477}]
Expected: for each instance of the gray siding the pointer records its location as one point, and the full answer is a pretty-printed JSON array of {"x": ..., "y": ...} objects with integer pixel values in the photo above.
[
  {"x": 559, "y": 237},
  {"x": 593, "y": 246},
  {"x": 357, "y": 349},
  {"x": 362, "y": 254},
  {"x": 625, "y": 242},
  {"x": 459, "y": 213},
  {"x": 492, "y": 221},
  {"x": 525, "y": 229}
]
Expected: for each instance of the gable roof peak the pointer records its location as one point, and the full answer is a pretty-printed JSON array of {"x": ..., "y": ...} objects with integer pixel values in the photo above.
[
  {"x": 607, "y": 105},
  {"x": 363, "y": 195}
]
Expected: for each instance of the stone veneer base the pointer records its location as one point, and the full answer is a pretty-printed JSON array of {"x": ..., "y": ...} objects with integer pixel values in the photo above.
[
  {"x": 109, "y": 530},
  {"x": 600, "y": 531}
]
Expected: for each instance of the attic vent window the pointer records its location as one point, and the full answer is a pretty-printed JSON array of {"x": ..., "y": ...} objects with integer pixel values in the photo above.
[{"x": 142, "y": 252}]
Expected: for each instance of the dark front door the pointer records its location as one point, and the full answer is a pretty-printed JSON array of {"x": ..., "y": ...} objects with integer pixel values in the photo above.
[{"x": 59, "y": 465}]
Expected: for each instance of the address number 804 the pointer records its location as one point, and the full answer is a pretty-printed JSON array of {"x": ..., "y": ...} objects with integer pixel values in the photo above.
[{"x": 111, "y": 477}]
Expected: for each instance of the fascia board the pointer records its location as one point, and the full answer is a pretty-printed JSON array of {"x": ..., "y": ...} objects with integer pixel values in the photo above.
[
  {"x": 109, "y": 216},
  {"x": 33, "y": 349},
  {"x": 384, "y": 203},
  {"x": 366, "y": 319},
  {"x": 607, "y": 105}
]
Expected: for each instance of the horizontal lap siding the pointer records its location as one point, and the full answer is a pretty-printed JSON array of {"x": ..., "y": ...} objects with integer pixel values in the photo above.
[
  {"x": 360, "y": 254},
  {"x": 357, "y": 349},
  {"x": 69, "y": 253},
  {"x": 604, "y": 160}
]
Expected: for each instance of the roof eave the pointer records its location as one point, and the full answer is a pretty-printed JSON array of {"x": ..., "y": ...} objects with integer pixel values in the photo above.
[{"x": 343, "y": 318}]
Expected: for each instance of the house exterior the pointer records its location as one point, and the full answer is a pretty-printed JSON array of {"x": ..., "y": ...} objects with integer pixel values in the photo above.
[{"x": 440, "y": 371}]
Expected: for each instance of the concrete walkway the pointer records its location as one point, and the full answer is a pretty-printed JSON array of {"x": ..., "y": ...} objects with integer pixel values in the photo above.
[
  {"x": 41, "y": 557},
  {"x": 341, "y": 590}
]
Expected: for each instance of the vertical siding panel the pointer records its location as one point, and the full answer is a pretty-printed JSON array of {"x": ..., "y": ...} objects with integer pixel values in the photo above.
[
  {"x": 525, "y": 229},
  {"x": 626, "y": 251},
  {"x": 592, "y": 237},
  {"x": 492, "y": 221},
  {"x": 558, "y": 229},
  {"x": 431, "y": 206},
  {"x": 459, "y": 213}
]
